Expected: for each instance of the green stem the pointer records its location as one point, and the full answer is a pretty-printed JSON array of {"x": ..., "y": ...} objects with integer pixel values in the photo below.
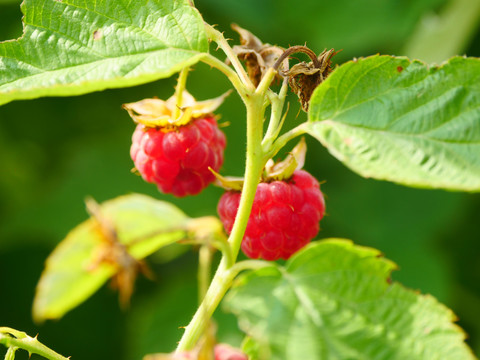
[
  {"x": 285, "y": 138},
  {"x": 276, "y": 118},
  {"x": 181, "y": 84},
  {"x": 218, "y": 37},
  {"x": 17, "y": 339},
  {"x": 228, "y": 72},
  {"x": 10, "y": 355},
  {"x": 253, "y": 168},
  {"x": 204, "y": 265},
  {"x": 248, "y": 265},
  {"x": 224, "y": 276}
]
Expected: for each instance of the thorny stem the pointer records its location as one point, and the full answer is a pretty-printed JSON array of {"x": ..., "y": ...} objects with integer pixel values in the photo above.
[
  {"x": 254, "y": 165},
  {"x": 217, "y": 36},
  {"x": 297, "y": 49},
  {"x": 17, "y": 339},
  {"x": 256, "y": 101}
]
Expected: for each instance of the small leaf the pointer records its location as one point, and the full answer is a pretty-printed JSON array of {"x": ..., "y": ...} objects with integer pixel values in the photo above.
[
  {"x": 334, "y": 300},
  {"x": 393, "y": 119},
  {"x": 73, "y": 47},
  {"x": 73, "y": 272}
]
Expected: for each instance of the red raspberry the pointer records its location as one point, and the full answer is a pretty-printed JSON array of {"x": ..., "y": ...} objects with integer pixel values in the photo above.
[
  {"x": 226, "y": 352},
  {"x": 285, "y": 216},
  {"x": 221, "y": 352},
  {"x": 178, "y": 160}
]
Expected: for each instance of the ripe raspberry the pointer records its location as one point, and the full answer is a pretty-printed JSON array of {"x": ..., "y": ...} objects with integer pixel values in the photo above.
[
  {"x": 221, "y": 352},
  {"x": 226, "y": 352},
  {"x": 178, "y": 160},
  {"x": 285, "y": 216}
]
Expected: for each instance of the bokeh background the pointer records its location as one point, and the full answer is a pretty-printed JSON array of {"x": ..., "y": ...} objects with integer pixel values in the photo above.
[{"x": 56, "y": 151}]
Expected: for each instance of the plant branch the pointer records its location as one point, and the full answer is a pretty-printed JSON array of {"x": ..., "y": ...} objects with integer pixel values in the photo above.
[
  {"x": 248, "y": 265},
  {"x": 228, "y": 72},
  {"x": 224, "y": 276},
  {"x": 276, "y": 118},
  {"x": 12, "y": 338},
  {"x": 285, "y": 138},
  {"x": 218, "y": 37}
]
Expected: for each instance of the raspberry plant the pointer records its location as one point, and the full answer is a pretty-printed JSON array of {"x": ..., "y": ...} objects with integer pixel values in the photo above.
[{"x": 385, "y": 117}]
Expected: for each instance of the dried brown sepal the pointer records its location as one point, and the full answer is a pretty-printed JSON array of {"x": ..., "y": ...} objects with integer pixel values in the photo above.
[
  {"x": 283, "y": 170},
  {"x": 303, "y": 77},
  {"x": 158, "y": 113},
  {"x": 112, "y": 252},
  {"x": 258, "y": 57},
  {"x": 228, "y": 182}
]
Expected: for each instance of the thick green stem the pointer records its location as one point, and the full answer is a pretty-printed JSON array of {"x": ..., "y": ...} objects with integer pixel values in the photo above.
[
  {"x": 224, "y": 276},
  {"x": 17, "y": 339},
  {"x": 254, "y": 165}
]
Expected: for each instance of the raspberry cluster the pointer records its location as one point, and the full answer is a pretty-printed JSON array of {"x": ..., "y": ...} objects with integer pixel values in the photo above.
[
  {"x": 285, "y": 216},
  {"x": 177, "y": 160}
]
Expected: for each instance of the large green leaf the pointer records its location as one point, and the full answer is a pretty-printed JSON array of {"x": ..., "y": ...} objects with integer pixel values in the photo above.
[
  {"x": 334, "y": 300},
  {"x": 72, "y": 47},
  {"x": 394, "y": 119},
  {"x": 72, "y": 272}
]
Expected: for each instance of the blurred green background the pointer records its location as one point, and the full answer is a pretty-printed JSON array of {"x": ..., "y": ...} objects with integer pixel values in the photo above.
[{"x": 56, "y": 151}]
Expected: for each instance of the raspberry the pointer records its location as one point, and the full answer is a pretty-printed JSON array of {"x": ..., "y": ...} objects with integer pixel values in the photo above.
[
  {"x": 177, "y": 159},
  {"x": 285, "y": 216},
  {"x": 226, "y": 352},
  {"x": 221, "y": 352}
]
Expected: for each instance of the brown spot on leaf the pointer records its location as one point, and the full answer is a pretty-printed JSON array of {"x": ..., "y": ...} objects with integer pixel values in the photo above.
[
  {"x": 97, "y": 35},
  {"x": 399, "y": 69}
]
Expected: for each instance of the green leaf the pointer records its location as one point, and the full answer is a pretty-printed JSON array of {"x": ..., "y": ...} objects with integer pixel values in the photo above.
[
  {"x": 393, "y": 119},
  {"x": 334, "y": 300},
  {"x": 73, "y": 47},
  {"x": 72, "y": 273}
]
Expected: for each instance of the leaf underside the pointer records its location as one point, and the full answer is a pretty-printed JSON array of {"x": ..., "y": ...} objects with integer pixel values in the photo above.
[
  {"x": 334, "y": 300},
  {"x": 72, "y": 47},
  {"x": 393, "y": 119},
  {"x": 72, "y": 273}
]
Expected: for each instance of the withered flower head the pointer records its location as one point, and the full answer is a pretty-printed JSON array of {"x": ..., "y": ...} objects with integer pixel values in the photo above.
[
  {"x": 304, "y": 77},
  {"x": 258, "y": 57}
]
